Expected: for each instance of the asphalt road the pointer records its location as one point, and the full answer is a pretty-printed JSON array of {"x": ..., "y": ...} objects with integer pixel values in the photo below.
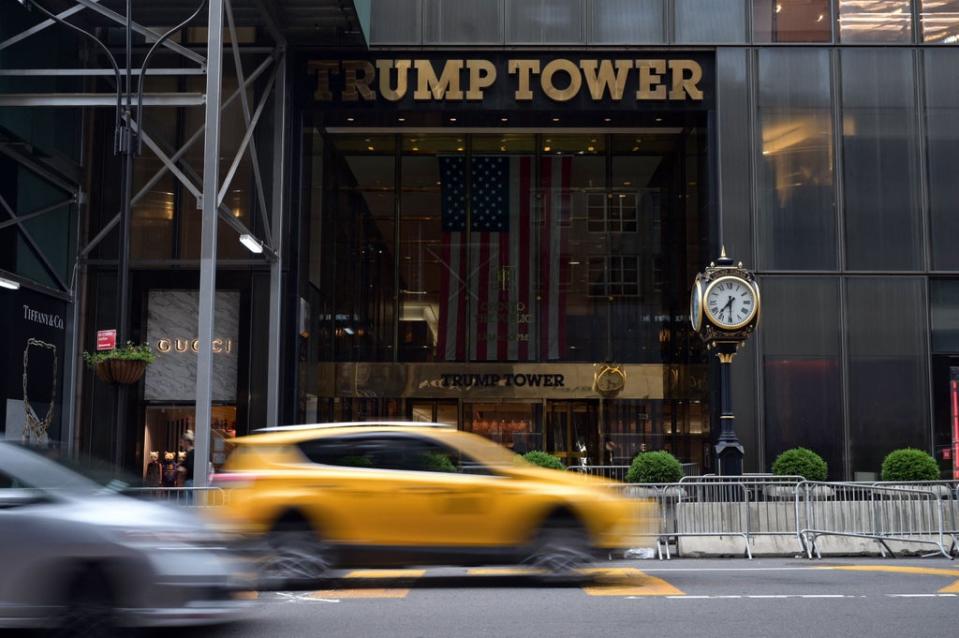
[{"x": 763, "y": 598}]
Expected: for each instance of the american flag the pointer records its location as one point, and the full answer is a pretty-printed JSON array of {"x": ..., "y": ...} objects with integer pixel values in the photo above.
[{"x": 515, "y": 255}]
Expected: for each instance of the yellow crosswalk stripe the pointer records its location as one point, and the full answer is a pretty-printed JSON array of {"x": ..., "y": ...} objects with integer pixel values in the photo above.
[
  {"x": 326, "y": 594},
  {"x": 504, "y": 571},
  {"x": 628, "y": 581},
  {"x": 386, "y": 573},
  {"x": 905, "y": 569}
]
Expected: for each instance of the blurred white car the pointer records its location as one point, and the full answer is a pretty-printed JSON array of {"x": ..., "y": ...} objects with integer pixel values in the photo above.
[{"x": 82, "y": 559}]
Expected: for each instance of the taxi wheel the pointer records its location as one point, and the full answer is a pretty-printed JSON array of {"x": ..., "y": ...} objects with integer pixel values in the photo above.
[
  {"x": 292, "y": 555},
  {"x": 560, "y": 549}
]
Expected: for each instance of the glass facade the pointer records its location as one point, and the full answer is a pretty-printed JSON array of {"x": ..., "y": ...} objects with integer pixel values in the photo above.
[{"x": 833, "y": 174}]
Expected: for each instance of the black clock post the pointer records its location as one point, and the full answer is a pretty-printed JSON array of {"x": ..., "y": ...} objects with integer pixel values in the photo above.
[{"x": 724, "y": 309}]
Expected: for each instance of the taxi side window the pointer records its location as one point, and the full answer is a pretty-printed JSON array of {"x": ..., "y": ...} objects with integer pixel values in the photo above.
[{"x": 339, "y": 452}]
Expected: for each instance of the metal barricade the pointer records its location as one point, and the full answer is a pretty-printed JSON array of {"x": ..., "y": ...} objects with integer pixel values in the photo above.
[
  {"x": 871, "y": 511},
  {"x": 181, "y": 496},
  {"x": 948, "y": 493},
  {"x": 611, "y": 472}
]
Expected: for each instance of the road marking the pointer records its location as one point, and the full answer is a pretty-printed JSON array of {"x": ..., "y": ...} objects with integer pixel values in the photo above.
[
  {"x": 822, "y": 596},
  {"x": 771, "y": 596},
  {"x": 386, "y": 573},
  {"x": 905, "y": 569},
  {"x": 913, "y": 595},
  {"x": 334, "y": 595},
  {"x": 628, "y": 581},
  {"x": 296, "y": 597},
  {"x": 504, "y": 571},
  {"x": 895, "y": 569}
]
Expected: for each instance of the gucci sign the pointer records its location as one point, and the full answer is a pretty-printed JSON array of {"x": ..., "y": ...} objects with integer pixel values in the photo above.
[{"x": 220, "y": 346}]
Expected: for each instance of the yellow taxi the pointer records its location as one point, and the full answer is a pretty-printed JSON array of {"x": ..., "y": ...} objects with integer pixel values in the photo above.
[{"x": 403, "y": 493}]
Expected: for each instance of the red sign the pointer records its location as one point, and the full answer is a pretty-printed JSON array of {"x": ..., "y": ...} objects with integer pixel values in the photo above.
[{"x": 106, "y": 339}]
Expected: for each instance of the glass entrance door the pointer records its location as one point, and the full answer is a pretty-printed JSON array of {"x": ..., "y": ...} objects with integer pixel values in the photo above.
[
  {"x": 572, "y": 432},
  {"x": 433, "y": 411}
]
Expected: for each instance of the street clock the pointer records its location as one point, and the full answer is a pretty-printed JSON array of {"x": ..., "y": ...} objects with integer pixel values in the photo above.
[{"x": 724, "y": 308}]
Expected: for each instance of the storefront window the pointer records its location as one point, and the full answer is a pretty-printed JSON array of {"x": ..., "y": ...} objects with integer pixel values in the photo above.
[
  {"x": 940, "y": 21},
  {"x": 797, "y": 222},
  {"x": 433, "y": 267},
  {"x": 363, "y": 228},
  {"x": 505, "y": 243},
  {"x": 572, "y": 323},
  {"x": 516, "y": 426},
  {"x": 792, "y": 20},
  {"x": 875, "y": 20}
]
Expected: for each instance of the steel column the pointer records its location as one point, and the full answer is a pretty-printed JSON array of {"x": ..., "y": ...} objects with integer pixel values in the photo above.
[
  {"x": 211, "y": 218},
  {"x": 276, "y": 264}
]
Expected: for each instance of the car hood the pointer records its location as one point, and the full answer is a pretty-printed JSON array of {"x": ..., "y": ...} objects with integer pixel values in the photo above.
[{"x": 127, "y": 513}]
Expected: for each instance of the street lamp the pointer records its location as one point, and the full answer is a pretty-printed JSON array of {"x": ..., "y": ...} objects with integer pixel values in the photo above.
[{"x": 724, "y": 310}]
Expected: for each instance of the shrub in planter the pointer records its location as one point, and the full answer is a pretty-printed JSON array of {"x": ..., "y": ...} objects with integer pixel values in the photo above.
[
  {"x": 801, "y": 462},
  {"x": 909, "y": 464},
  {"x": 654, "y": 467},
  {"x": 544, "y": 459}
]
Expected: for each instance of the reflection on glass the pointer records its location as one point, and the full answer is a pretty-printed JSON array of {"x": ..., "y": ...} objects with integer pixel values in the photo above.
[
  {"x": 363, "y": 227},
  {"x": 888, "y": 383},
  {"x": 880, "y": 159},
  {"x": 875, "y": 21},
  {"x": 433, "y": 267},
  {"x": 942, "y": 131},
  {"x": 801, "y": 371},
  {"x": 710, "y": 20},
  {"x": 797, "y": 219},
  {"x": 940, "y": 21},
  {"x": 792, "y": 21}
]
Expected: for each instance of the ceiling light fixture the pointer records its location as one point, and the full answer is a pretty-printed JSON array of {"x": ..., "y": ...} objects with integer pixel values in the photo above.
[
  {"x": 251, "y": 243},
  {"x": 349, "y": 119},
  {"x": 9, "y": 284}
]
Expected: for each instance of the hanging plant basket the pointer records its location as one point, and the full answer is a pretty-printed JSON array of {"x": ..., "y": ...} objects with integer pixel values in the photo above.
[
  {"x": 121, "y": 371},
  {"x": 123, "y": 365}
]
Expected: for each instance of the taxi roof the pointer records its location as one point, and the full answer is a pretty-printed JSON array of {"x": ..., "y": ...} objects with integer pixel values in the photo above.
[{"x": 295, "y": 433}]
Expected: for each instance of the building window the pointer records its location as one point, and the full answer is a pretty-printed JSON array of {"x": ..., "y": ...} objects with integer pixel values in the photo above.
[
  {"x": 881, "y": 159},
  {"x": 792, "y": 21},
  {"x": 614, "y": 276},
  {"x": 709, "y": 21},
  {"x": 875, "y": 21},
  {"x": 613, "y": 212},
  {"x": 797, "y": 222},
  {"x": 940, "y": 21}
]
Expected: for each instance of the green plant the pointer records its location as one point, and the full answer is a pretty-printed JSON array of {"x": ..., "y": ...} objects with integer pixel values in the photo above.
[
  {"x": 654, "y": 467},
  {"x": 437, "y": 462},
  {"x": 544, "y": 459},
  {"x": 129, "y": 352},
  {"x": 909, "y": 464},
  {"x": 800, "y": 461}
]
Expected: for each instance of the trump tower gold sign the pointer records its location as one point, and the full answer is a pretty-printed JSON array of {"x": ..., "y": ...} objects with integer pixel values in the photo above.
[{"x": 656, "y": 79}]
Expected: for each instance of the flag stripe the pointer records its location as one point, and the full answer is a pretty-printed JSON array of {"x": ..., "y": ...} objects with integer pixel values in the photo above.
[{"x": 528, "y": 255}]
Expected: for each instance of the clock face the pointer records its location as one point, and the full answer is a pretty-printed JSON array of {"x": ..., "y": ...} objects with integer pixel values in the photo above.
[
  {"x": 730, "y": 302},
  {"x": 696, "y": 305}
]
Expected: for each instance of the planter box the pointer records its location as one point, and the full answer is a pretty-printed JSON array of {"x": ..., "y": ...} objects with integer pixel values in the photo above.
[{"x": 121, "y": 371}]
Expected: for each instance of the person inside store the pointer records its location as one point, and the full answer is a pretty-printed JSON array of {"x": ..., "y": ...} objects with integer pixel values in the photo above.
[{"x": 185, "y": 469}]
